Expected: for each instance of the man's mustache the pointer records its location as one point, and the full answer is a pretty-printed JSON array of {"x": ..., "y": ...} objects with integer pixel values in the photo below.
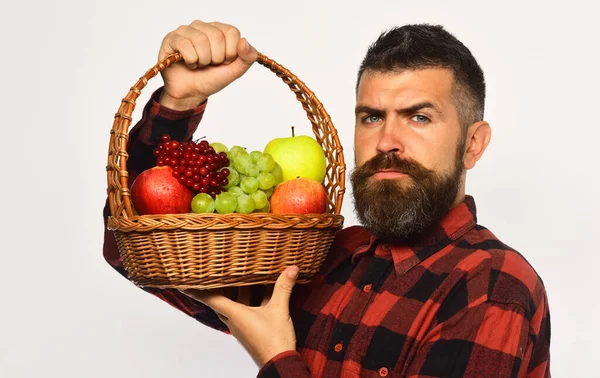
[{"x": 392, "y": 162}]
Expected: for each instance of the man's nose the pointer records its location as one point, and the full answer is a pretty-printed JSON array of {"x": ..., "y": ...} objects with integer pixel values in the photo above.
[{"x": 391, "y": 139}]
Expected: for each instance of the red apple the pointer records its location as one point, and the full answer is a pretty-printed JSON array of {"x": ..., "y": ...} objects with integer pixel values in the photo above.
[
  {"x": 156, "y": 191},
  {"x": 299, "y": 196}
]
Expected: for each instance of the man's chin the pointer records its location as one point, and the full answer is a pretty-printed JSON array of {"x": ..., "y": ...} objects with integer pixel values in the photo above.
[{"x": 394, "y": 225}]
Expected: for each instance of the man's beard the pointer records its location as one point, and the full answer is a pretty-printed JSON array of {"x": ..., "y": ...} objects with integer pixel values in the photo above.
[{"x": 403, "y": 208}]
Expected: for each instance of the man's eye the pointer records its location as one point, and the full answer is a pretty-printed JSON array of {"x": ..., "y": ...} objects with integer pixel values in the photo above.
[
  {"x": 420, "y": 119},
  {"x": 372, "y": 119}
]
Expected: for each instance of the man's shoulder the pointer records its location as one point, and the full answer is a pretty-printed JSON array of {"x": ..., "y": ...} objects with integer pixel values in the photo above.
[
  {"x": 351, "y": 238},
  {"x": 512, "y": 278},
  {"x": 502, "y": 256}
]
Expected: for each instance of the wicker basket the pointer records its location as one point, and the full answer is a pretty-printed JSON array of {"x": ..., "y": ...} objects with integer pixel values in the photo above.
[{"x": 218, "y": 250}]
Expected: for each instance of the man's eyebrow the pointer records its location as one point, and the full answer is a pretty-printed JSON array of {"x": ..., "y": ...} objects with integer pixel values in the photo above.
[
  {"x": 368, "y": 110},
  {"x": 411, "y": 109},
  {"x": 421, "y": 105}
]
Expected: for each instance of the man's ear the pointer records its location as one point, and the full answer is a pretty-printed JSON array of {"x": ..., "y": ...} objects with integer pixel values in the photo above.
[{"x": 478, "y": 138}]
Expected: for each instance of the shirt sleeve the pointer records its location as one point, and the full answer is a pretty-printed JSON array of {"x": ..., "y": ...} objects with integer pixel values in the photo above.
[
  {"x": 158, "y": 120},
  {"x": 489, "y": 339},
  {"x": 285, "y": 365},
  {"x": 143, "y": 138}
]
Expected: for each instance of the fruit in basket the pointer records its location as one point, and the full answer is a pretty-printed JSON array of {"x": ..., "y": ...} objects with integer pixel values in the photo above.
[
  {"x": 157, "y": 191},
  {"x": 250, "y": 180},
  {"x": 219, "y": 147},
  {"x": 278, "y": 174},
  {"x": 236, "y": 191},
  {"x": 299, "y": 196},
  {"x": 298, "y": 156},
  {"x": 198, "y": 165},
  {"x": 233, "y": 179},
  {"x": 260, "y": 199},
  {"x": 265, "y": 163},
  {"x": 266, "y": 180},
  {"x": 249, "y": 184},
  {"x": 242, "y": 162},
  {"x": 254, "y": 155},
  {"x": 225, "y": 203},
  {"x": 203, "y": 203},
  {"x": 266, "y": 209},
  {"x": 245, "y": 204}
]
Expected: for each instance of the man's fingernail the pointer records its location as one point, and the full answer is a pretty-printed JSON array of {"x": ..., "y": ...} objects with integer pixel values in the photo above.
[
  {"x": 247, "y": 47},
  {"x": 293, "y": 272}
]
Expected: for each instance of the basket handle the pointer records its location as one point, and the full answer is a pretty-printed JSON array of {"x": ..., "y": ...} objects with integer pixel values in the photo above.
[{"x": 119, "y": 195}]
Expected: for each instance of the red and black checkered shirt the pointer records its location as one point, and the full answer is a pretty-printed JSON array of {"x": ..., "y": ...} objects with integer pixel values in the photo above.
[{"x": 458, "y": 303}]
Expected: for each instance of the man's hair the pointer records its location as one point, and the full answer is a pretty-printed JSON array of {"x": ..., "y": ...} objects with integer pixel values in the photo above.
[{"x": 420, "y": 46}]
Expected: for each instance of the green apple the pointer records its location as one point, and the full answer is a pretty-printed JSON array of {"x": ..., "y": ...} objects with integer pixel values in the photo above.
[{"x": 298, "y": 156}]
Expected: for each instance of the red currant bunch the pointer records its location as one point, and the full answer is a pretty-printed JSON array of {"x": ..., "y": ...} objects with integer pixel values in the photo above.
[{"x": 195, "y": 164}]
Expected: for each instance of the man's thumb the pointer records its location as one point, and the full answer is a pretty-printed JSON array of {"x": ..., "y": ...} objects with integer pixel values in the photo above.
[
  {"x": 283, "y": 287},
  {"x": 246, "y": 52}
]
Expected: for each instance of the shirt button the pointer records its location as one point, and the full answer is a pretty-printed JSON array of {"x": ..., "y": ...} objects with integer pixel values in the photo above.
[
  {"x": 383, "y": 372},
  {"x": 385, "y": 247},
  {"x": 367, "y": 288},
  {"x": 338, "y": 347}
]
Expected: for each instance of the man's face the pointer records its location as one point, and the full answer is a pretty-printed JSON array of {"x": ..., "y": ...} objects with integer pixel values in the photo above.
[{"x": 408, "y": 151}]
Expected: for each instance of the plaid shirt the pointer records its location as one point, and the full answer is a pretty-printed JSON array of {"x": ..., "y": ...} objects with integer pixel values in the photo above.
[{"x": 458, "y": 303}]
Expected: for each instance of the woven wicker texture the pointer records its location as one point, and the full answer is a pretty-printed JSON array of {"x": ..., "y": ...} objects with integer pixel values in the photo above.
[{"x": 218, "y": 250}]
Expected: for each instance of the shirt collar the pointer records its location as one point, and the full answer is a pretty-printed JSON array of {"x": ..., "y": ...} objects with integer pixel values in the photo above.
[{"x": 406, "y": 255}]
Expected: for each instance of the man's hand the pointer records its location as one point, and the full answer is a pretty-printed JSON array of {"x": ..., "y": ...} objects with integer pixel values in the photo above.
[
  {"x": 264, "y": 331},
  {"x": 214, "y": 55}
]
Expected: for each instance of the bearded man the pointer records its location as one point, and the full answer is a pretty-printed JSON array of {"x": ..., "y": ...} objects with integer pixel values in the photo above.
[{"x": 419, "y": 289}]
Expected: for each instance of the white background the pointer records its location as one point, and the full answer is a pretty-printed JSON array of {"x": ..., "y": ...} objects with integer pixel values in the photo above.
[{"x": 66, "y": 66}]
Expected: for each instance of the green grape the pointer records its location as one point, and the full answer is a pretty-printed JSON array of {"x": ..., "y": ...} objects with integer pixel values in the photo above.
[
  {"x": 254, "y": 155},
  {"x": 252, "y": 170},
  {"x": 219, "y": 147},
  {"x": 278, "y": 174},
  {"x": 236, "y": 191},
  {"x": 242, "y": 162},
  {"x": 203, "y": 203},
  {"x": 266, "y": 209},
  {"x": 225, "y": 203},
  {"x": 234, "y": 151},
  {"x": 260, "y": 199},
  {"x": 249, "y": 185},
  {"x": 266, "y": 163},
  {"x": 266, "y": 180},
  {"x": 269, "y": 192},
  {"x": 245, "y": 204},
  {"x": 233, "y": 178}
]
